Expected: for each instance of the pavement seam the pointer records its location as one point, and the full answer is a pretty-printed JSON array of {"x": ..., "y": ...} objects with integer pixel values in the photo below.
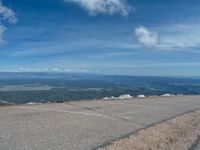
[
  {"x": 63, "y": 111},
  {"x": 112, "y": 116},
  {"x": 108, "y": 115},
  {"x": 135, "y": 132}
]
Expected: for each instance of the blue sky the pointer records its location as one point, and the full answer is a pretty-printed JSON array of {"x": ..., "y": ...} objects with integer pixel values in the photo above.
[{"x": 132, "y": 37}]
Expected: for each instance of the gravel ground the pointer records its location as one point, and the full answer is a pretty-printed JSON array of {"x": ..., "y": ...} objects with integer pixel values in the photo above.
[{"x": 179, "y": 133}]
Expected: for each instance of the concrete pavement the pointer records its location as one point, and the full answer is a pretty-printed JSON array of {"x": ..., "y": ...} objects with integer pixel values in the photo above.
[{"x": 84, "y": 124}]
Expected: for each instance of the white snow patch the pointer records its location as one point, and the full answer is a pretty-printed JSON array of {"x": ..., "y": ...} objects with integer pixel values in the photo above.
[
  {"x": 166, "y": 95},
  {"x": 126, "y": 96},
  {"x": 141, "y": 96},
  {"x": 32, "y": 103},
  {"x": 112, "y": 97}
]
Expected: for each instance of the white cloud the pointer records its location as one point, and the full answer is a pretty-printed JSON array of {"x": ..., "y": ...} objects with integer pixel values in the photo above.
[
  {"x": 2, "y": 30},
  {"x": 177, "y": 36},
  {"x": 45, "y": 69},
  {"x": 7, "y": 14},
  {"x": 110, "y": 7},
  {"x": 180, "y": 36},
  {"x": 146, "y": 37}
]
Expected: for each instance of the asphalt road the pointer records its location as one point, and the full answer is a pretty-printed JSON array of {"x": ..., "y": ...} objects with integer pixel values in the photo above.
[{"x": 84, "y": 124}]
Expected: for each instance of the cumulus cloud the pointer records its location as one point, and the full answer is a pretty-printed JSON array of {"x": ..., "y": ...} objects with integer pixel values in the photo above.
[
  {"x": 110, "y": 7},
  {"x": 146, "y": 37},
  {"x": 2, "y": 30},
  {"x": 7, "y": 14}
]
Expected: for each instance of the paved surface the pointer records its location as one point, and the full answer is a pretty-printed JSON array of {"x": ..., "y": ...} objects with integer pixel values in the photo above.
[{"x": 84, "y": 125}]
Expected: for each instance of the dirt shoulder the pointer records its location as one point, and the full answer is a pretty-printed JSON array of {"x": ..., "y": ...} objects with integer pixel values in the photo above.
[{"x": 179, "y": 133}]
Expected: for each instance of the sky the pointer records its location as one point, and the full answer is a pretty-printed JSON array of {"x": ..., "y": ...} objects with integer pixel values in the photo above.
[{"x": 124, "y": 37}]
